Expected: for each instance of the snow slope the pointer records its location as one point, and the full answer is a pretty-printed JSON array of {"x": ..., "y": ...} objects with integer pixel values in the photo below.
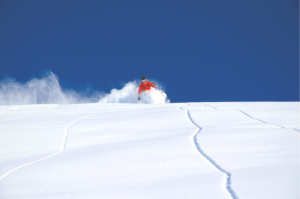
[{"x": 183, "y": 150}]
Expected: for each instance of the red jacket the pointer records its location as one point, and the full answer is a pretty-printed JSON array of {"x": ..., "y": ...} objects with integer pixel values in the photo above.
[{"x": 146, "y": 86}]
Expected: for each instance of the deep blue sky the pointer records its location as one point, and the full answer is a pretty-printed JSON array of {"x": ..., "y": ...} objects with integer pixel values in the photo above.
[{"x": 200, "y": 50}]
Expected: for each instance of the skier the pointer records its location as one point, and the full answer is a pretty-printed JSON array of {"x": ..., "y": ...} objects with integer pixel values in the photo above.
[{"x": 145, "y": 86}]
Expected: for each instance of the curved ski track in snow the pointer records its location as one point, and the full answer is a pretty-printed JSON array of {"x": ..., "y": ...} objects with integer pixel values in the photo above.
[
  {"x": 62, "y": 148},
  {"x": 228, "y": 174},
  {"x": 39, "y": 160},
  {"x": 264, "y": 121}
]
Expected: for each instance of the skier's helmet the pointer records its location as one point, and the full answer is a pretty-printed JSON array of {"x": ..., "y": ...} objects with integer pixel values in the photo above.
[{"x": 143, "y": 79}]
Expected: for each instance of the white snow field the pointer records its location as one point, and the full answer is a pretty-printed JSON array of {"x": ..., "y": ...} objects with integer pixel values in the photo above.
[{"x": 178, "y": 150}]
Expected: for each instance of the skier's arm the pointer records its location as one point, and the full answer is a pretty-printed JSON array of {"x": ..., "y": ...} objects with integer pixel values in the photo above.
[{"x": 152, "y": 84}]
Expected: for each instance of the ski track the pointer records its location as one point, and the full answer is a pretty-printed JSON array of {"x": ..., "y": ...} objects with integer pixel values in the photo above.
[
  {"x": 228, "y": 174},
  {"x": 210, "y": 106},
  {"x": 264, "y": 121},
  {"x": 256, "y": 118},
  {"x": 62, "y": 148},
  {"x": 39, "y": 160}
]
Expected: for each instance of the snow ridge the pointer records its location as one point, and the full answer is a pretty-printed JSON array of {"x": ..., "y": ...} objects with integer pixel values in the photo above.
[
  {"x": 228, "y": 174},
  {"x": 39, "y": 160},
  {"x": 264, "y": 121}
]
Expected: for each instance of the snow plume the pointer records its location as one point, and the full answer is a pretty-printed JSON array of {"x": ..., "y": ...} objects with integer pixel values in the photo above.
[
  {"x": 129, "y": 94},
  {"x": 47, "y": 90},
  {"x": 41, "y": 91}
]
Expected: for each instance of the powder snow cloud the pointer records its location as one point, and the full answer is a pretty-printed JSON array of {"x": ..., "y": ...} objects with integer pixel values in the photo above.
[{"x": 47, "y": 90}]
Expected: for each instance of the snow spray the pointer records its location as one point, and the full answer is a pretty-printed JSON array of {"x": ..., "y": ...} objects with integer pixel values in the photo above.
[{"x": 47, "y": 90}]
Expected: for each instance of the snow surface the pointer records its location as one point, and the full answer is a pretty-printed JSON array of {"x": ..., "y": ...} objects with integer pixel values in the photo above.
[{"x": 178, "y": 150}]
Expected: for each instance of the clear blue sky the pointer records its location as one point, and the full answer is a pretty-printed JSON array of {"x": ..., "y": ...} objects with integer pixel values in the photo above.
[{"x": 200, "y": 50}]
